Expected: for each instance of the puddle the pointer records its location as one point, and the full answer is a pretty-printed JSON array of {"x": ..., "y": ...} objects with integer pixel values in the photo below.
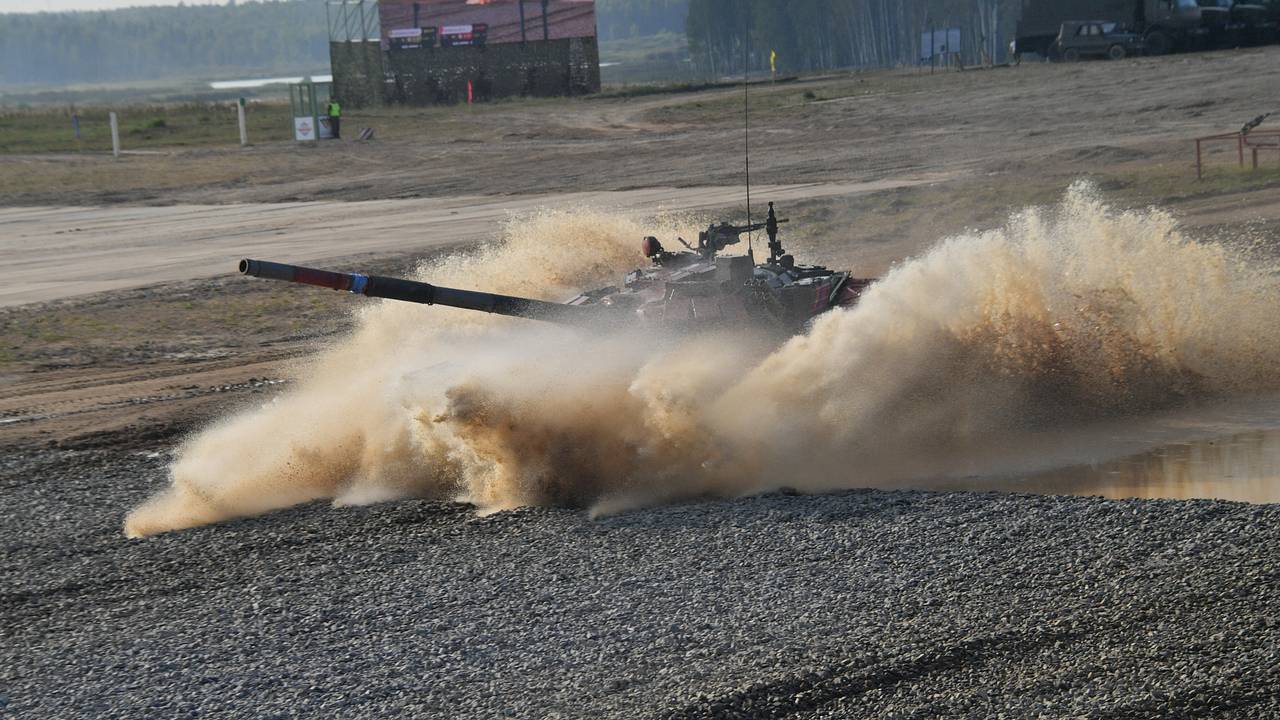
[
  {"x": 1228, "y": 453},
  {"x": 1243, "y": 467}
]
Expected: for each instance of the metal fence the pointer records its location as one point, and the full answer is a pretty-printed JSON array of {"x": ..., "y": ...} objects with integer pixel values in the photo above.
[{"x": 1253, "y": 143}]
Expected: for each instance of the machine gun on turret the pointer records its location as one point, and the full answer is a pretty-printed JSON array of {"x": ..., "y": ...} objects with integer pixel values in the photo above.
[{"x": 721, "y": 235}]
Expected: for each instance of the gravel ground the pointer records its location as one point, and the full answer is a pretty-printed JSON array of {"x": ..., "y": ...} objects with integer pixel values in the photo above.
[{"x": 857, "y": 604}]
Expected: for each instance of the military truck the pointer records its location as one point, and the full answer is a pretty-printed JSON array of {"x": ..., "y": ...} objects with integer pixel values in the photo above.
[
  {"x": 1231, "y": 24},
  {"x": 1164, "y": 25}
]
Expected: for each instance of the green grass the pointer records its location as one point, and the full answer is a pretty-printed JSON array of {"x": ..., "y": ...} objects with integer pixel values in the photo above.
[
  {"x": 193, "y": 124},
  {"x": 664, "y": 45},
  {"x": 802, "y": 93},
  {"x": 641, "y": 90},
  {"x": 147, "y": 92},
  {"x": 660, "y": 58},
  {"x": 1171, "y": 183}
]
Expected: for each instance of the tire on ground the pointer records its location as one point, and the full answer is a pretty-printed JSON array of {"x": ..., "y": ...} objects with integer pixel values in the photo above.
[{"x": 1158, "y": 43}]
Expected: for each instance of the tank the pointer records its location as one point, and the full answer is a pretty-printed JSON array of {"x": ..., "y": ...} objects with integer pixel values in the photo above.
[{"x": 689, "y": 289}]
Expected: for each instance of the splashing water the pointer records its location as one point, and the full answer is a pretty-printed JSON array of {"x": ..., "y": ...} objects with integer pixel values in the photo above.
[{"x": 1063, "y": 316}]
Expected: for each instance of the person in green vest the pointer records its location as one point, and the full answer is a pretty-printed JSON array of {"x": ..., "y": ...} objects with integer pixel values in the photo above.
[{"x": 335, "y": 117}]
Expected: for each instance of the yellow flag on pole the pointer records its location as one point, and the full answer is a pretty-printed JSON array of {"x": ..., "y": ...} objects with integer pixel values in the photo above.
[{"x": 773, "y": 61}]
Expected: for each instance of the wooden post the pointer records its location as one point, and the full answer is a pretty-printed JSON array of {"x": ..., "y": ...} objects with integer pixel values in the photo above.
[
  {"x": 115, "y": 135},
  {"x": 1199, "y": 167},
  {"x": 244, "y": 132},
  {"x": 1240, "y": 147}
]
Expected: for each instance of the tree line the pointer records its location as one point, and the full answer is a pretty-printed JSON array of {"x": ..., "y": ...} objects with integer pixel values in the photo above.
[
  {"x": 237, "y": 39},
  {"x": 617, "y": 19},
  {"x": 162, "y": 42}
]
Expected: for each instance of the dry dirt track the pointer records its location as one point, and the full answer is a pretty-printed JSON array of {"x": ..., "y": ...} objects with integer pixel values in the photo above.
[
  {"x": 59, "y": 252},
  {"x": 117, "y": 253}
]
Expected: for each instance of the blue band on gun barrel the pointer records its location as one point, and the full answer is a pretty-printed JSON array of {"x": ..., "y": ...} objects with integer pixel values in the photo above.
[{"x": 358, "y": 283}]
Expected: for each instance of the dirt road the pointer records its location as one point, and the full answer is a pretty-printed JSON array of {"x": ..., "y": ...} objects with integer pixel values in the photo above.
[{"x": 61, "y": 252}]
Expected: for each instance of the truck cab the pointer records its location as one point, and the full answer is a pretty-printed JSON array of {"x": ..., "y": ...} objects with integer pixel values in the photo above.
[
  {"x": 1231, "y": 24},
  {"x": 1170, "y": 25}
]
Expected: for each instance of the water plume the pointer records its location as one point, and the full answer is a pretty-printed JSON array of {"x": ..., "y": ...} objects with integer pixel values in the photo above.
[{"x": 1063, "y": 316}]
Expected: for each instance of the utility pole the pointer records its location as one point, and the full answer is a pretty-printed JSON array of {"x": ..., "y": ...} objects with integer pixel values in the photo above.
[
  {"x": 523, "y": 37},
  {"x": 546, "y": 35}
]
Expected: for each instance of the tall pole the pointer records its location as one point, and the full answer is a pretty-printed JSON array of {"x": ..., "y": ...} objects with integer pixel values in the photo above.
[
  {"x": 546, "y": 35},
  {"x": 523, "y": 37},
  {"x": 115, "y": 135},
  {"x": 746, "y": 120}
]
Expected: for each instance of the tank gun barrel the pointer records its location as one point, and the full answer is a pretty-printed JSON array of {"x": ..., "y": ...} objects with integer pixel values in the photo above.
[{"x": 419, "y": 292}]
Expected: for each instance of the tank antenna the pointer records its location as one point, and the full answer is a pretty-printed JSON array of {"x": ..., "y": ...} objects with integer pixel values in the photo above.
[{"x": 746, "y": 120}]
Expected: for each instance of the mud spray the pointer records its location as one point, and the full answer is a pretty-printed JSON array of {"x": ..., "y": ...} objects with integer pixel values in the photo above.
[{"x": 1064, "y": 316}]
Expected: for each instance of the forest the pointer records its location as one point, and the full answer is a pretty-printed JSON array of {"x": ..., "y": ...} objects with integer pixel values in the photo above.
[
  {"x": 823, "y": 34},
  {"x": 810, "y": 35},
  {"x": 620, "y": 19}
]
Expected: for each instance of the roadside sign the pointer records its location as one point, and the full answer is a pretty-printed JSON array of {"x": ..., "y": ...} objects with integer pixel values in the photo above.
[
  {"x": 304, "y": 128},
  {"x": 412, "y": 38},
  {"x": 458, "y": 35}
]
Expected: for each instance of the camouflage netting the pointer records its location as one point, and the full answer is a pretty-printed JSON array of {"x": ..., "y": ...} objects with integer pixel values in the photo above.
[
  {"x": 357, "y": 72},
  {"x": 428, "y": 76}
]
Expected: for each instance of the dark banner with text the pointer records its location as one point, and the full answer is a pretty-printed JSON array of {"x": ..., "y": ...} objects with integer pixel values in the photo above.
[{"x": 413, "y": 24}]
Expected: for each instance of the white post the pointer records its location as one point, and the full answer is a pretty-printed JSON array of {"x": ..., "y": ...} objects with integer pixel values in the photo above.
[
  {"x": 244, "y": 133},
  {"x": 115, "y": 135}
]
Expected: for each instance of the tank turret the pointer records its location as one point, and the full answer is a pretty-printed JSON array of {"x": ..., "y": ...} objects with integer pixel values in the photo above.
[{"x": 682, "y": 290}]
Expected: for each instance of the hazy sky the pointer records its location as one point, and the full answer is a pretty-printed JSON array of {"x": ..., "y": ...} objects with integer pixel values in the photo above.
[{"x": 55, "y": 5}]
